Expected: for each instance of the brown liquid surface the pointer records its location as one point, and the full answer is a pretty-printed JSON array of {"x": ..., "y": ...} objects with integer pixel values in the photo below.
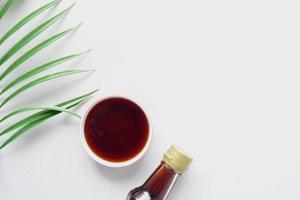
[{"x": 116, "y": 129}]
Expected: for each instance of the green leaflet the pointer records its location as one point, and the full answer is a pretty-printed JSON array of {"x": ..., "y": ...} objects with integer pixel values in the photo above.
[
  {"x": 27, "y": 109},
  {"x": 27, "y": 19},
  {"x": 40, "y": 69},
  {"x": 30, "y": 36},
  {"x": 35, "y": 50},
  {"x": 34, "y": 123},
  {"x": 45, "y": 113},
  {"x": 85, "y": 96},
  {"x": 23, "y": 130},
  {"x": 27, "y": 120},
  {"x": 6, "y": 7},
  {"x": 39, "y": 81}
]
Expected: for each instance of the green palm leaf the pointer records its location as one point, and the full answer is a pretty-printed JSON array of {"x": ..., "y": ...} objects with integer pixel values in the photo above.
[
  {"x": 40, "y": 69},
  {"x": 45, "y": 113},
  {"x": 25, "y": 121},
  {"x": 83, "y": 97},
  {"x": 39, "y": 81},
  {"x": 31, "y": 118},
  {"x": 30, "y": 36},
  {"x": 35, "y": 50},
  {"x": 23, "y": 130},
  {"x": 6, "y": 7},
  {"x": 27, "y": 19},
  {"x": 34, "y": 123},
  {"x": 27, "y": 109}
]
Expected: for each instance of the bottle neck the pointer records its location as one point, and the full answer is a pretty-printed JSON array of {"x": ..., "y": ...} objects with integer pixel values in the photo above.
[{"x": 160, "y": 183}]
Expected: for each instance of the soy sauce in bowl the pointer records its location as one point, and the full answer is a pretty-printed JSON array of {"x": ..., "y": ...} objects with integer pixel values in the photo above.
[{"x": 116, "y": 129}]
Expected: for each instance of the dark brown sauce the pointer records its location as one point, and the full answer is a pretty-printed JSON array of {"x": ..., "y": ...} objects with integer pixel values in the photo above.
[
  {"x": 157, "y": 186},
  {"x": 159, "y": 183},
  {"x": 116, "y": 129}
]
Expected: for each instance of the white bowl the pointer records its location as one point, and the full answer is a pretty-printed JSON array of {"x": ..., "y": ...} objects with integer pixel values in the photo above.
[{"x": 103, "y": 161}]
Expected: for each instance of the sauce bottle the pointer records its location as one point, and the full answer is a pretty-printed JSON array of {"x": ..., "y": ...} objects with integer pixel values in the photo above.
[{"x": 159, "y": 184}]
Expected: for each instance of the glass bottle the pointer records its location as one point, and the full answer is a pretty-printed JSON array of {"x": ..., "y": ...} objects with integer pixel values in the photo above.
[{"x": 159, "y": 184}]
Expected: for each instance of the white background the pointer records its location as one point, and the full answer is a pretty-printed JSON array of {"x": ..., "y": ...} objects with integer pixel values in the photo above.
[{"x": 219, "y": 78}]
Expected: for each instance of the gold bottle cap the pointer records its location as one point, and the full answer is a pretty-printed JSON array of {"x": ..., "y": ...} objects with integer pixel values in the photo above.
[{"x": 177, "y": 159}]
